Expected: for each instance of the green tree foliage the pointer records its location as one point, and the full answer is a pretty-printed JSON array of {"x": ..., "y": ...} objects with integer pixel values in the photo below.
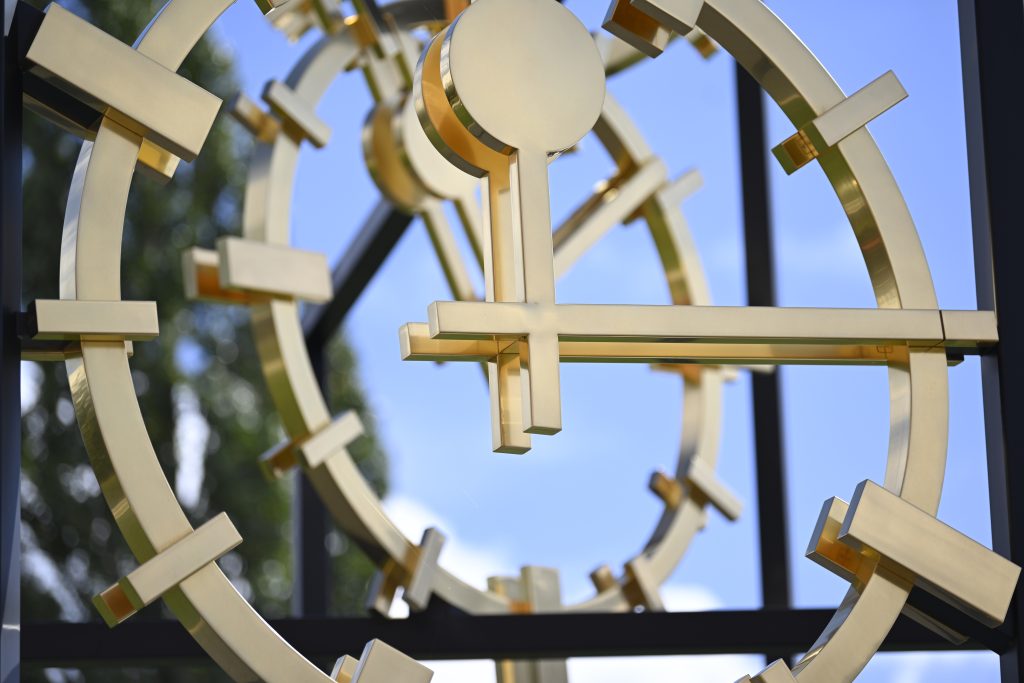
[{"x": 199, "y": 384}]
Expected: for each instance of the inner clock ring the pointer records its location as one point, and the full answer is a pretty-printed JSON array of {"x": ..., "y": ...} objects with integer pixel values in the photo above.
[{"x": 305, "y": 415}]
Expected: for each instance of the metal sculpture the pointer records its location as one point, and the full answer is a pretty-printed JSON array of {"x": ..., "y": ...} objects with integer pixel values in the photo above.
[
  {"x": 886, "y": 541},
  {"x": 411, "y": 173},
  {"x": 907, "y": 333}
]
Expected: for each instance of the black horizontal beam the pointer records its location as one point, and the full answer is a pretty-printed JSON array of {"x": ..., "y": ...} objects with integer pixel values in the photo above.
[{"x": 447, "y": 635}]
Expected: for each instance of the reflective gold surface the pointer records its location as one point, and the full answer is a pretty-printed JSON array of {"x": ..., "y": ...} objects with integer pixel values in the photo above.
[
  {"x": 273, "y": 270},
  {"x": 94, "y": 320},
  {"x": 895, "y": 263},
  {"x": 535, "y": 590},
  {"x": 344, "y": 669},
  {"x": 935, "y": 556},
  {"x": 418, "y": 167},
  {"x": 168, "y": 569},
  {"x": 381, "y": 663},
  {"x": 112, "y": 425},
  {"x": 839, "y": 122},
  {"x": 527, "y": 343},
  {"x": 143, "y": 96},
  {"x": 777, "y": 672},
  {"x": 299, "y": 120}
]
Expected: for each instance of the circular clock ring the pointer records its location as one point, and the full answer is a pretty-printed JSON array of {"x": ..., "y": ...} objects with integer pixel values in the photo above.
[
  {"x": 414, "y": 176},
  {"x": 152, "y": 521}
]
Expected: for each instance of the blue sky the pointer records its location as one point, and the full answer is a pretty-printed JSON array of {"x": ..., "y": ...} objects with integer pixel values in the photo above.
[{"x": 579, "y": 499}]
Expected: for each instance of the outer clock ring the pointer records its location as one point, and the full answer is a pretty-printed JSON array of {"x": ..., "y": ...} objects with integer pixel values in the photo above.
[{"x": 144, "y": 505}]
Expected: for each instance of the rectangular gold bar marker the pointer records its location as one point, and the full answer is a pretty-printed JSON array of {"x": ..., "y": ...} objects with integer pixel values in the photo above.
[
  {"x": 151, "y": 101},
  {"x": 381, "y": 663},
  {"x": 839, "y": 122},
  {"x": 167, "y": 569},
  {"x": 778, "y": 672},
  {"x": 73, "y": 320},
  {"x": 943, "y": 561},
  {"x": 277, "y": 271},
  {"x": 296, "y": 113}
]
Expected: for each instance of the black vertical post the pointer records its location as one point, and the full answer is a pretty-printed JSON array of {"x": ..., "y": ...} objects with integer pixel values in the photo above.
[
  {"x": 771, "y": 483},
  {"x": 311, "y": 561},
  {"x": 992, "y": 55},
  {"x": 10, "y": 350}
]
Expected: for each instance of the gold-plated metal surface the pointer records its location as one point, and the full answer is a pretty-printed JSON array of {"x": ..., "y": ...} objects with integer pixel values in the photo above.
[
  {"x": 344, "y": 669},
  {"x": 424, "y": 576},
  {"x": 273, "y": 270},
  {"x": 416, "y": 343},
  {"x": 200, "y": 270},
  {"x": 132, "y": 481},
  {"x": 959, "y": 327},
  {"x": 826, "y": 550},
  {"x": 166, "y": 570},
  {"x": 618, "y": 55},
  {"x": 895, "y": 262},
  {"x": 614, "y": 201},
  {"x": 501, "y": 117},
  {"x": 535, "y": 590},
  {"x": 679, "y": 324},
  {"x": 777, "y": 672},
  {"x": 935, "y": 556},
  {"x": 160, "y": 163},
  {"x": 292, "y": 381},
  {"x": 913, "y": 343},
  {"x": 330, "y": 442},
  {"x": 303, "y": 409},
  {"x": 299, "y": 120},
  {"x": 856, "y": 566},
  {"x": 143, "y": 96},
  {"x": 641, "y": 587},
  {"x": 636, "y": 28},
  {"x": 482, "y": 331},
  {"x": 677, "y": 15},
  {"x": 260, "y": 123},
  {"x": 381, "y": 663},
  {"x": 93, "y": 320},
  {"x": 705, "y": 486},
  {"x": 841, "y": 121},
  {"x": 286, "y": 364},
  {"x": 669, "y": 489},
  {"x": 294, "y": 17},
  {"x": 889, "y": 243}
]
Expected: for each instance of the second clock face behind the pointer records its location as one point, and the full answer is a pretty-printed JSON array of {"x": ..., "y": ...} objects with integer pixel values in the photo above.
[{"x": 418, "y": 179}]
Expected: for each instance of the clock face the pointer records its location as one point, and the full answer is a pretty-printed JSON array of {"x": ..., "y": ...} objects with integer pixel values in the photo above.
[
  {"x": 413, "y": 170},
  {"x": 438, "y": 131}
]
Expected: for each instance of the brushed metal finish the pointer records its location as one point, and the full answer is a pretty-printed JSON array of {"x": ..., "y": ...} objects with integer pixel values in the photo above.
[
  {"x": 299, "y": 119},
  {"x": 287, "y": 367},
  {"x": 381, "y": 663},
  {"x": 777, "y": 672},
  {"x": 273, "y": 270},
  {"x": 95, "y": 320},
  {"x": 166, "y": 570},
  {"x": 936, "y": 557},
  {"x": 112, "y": 425},
  {"x": 455, "y": 104},
  {"x": 144, "y": 96},
  {"x": 839, "y": 122}
]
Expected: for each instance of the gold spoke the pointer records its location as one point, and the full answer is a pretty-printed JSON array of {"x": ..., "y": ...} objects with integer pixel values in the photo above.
[{"x": 696, "y": 334}]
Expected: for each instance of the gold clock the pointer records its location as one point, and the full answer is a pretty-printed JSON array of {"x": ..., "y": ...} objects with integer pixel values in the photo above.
[{"x": 487, "y": 106}]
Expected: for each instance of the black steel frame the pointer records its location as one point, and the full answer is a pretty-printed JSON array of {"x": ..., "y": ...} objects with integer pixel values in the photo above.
[{"x": 992, "y": 43}]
